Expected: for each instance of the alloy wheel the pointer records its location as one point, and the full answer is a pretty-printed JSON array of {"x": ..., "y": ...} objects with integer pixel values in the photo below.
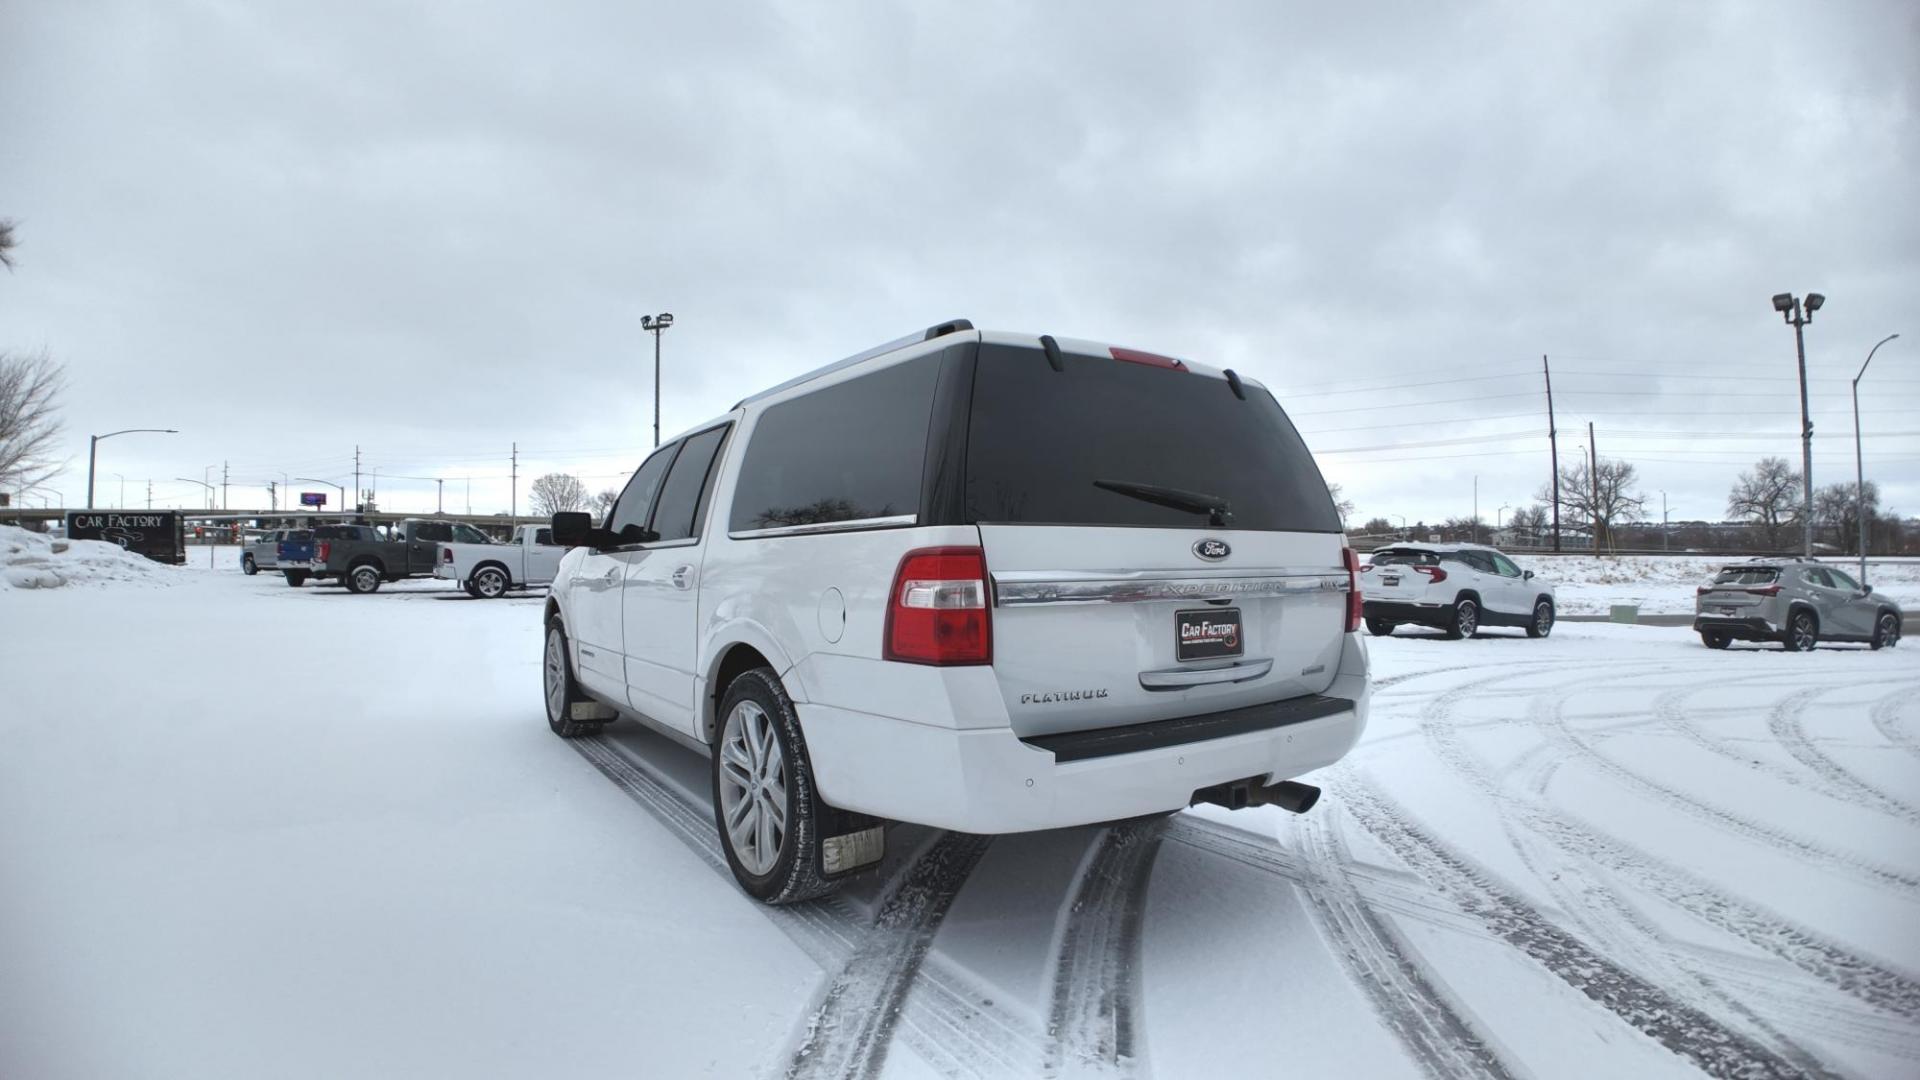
[
  {"x": 1543, "y": 619},
  {"x": 1889, "y": 629},
  {"x": 1803, "y": 638},
  {"x": 1468, "y": 618},
  {"x": 556, "y": 675},
  {"x": 753, "y": 788},
  {"x": 491, "y": 583}
]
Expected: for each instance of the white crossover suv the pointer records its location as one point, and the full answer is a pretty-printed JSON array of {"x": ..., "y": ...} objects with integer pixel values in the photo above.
[
  {"x": 1455, "y": 588},
  {"x": 980, "y": 581}
]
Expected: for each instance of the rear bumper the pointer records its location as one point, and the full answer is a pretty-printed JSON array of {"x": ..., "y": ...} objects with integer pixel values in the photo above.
[
  {"x": 1749, "y": 628},
  {"x": 1403, "y": 612},
  {"x": 987, "y": 780},
  {"x": 447, "y": 571}
]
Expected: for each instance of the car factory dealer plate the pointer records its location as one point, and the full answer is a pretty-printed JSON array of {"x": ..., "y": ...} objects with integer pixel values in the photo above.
[{"x": 1206, "y": 635}]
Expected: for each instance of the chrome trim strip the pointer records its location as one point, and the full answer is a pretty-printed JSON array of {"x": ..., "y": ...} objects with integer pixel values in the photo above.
[
  {"x": 893, "y": 522},
  {"x": 1181, "y": 678},
  {"x": 1031, "y": 589}
]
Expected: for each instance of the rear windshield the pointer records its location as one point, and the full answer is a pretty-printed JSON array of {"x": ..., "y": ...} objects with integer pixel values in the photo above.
[
  {"x": 1747, "y": 575},
  {"x": 299, "y": 536},
  {"x": 1038, "y": 440},
  {"x": 1405, "y": 558}
]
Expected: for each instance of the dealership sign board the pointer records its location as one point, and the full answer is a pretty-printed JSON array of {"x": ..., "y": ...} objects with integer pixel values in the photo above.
[
  {"x": 160, "y": 535},
  {"x": 313, "y": 498}
]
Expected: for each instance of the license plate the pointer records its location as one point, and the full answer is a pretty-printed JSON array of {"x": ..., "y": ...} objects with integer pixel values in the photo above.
[
  {"x": 1204, "y": 635},
  {"x": 1727, "y": 610},
  {"x": 1389, "y": 581}
]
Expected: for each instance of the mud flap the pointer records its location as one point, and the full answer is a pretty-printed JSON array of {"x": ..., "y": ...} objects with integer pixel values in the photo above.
[{"x": 848, "y": 841}]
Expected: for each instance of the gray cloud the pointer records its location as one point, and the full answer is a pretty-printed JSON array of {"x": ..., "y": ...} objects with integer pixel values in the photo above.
[{"x": 290, "y": 230}]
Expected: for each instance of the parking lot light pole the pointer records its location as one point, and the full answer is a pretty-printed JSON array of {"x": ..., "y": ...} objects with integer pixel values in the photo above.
[
  {"x": 1798, "y": 315},
  {"x": 1859, "y": 466},
  {"x": 93, "y": 448},
  {"x": 657, "y": 325}
]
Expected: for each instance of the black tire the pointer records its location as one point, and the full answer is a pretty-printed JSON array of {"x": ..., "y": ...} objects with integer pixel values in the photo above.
[
  {"x": 1802, "y": 632},
  {"x": 557, "y": 675},
  {"x": 489, "y": 583},
  {"x": 1380, "y": 627},
  {"x": 1464, "y": 622},
  {"x": 1542, "y": 623},
  {"x": 1715, "y": 639},
  {"x": 793, "y": 870},
  {"x": 468, "y": 586},
  {"x": 296, "y": 578},
  {"x": 247, "y": 566},
  {"x": 1886, "y": 630},
  {"x": 364, "y": 578}
]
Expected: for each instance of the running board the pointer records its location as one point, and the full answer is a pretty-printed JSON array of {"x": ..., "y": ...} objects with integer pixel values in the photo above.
[{"x": 1160, "y": 734}]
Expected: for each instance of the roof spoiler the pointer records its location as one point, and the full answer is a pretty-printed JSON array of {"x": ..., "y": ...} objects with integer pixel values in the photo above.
[{"x": 951, "y": 326}]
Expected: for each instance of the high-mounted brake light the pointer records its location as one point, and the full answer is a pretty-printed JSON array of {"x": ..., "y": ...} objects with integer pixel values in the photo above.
[
  {"x": 937, "y": 612},
  {"x": 1135, "y": 356},
  {"x": 1438, "y": 575},
  {"x": 1355, "y": 605}
]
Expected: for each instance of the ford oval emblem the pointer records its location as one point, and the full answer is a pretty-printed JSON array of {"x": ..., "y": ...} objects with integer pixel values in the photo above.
[{"x": 1211, "y": 549}]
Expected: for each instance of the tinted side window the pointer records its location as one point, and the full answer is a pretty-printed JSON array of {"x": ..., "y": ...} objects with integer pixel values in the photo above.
[
  {"x": 845, "y": 453},
  {"x": 1505, "y": 566},
  {"x": 1840, "y": 580},
  {"x": 676, "y": 514},
  {"x": 629, "y": 514},
  {"x": 1816, "y": 576},
  {"x": 434, "y": 532}
]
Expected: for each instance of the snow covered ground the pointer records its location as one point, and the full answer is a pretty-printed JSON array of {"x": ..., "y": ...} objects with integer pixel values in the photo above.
[
  {"x": 247, "y": 830},
  {"x": 1664, "y": 584}
]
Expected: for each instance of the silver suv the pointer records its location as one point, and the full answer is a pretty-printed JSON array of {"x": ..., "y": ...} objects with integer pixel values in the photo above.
[{"x": 1796, "y": 602}]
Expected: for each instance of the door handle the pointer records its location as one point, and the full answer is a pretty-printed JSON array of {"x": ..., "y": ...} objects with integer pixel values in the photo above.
[{"x": 683, "y": 577}]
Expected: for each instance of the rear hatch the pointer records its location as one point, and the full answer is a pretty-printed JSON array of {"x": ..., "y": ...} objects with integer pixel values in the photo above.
[
  {"x": 1737, "y": 591},
  {"x": 1159, "y": 546},
  {"x": 1400, "y": 574}
]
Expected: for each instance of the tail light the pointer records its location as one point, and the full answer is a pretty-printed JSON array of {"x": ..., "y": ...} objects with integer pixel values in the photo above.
[
  {"x": 1766, "y": 590},
  {"x": 1355, "y": 605},
  {"x": 1438, "y": 575},
  {"x": 446, "y": 555},
  {"x": 937, "y": 611},
  {"x": 1702, "y": 590},
  {"x": 321, "y": 550}
]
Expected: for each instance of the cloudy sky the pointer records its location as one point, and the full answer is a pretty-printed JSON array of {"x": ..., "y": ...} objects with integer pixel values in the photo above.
[{"x": 430, "y": 231}]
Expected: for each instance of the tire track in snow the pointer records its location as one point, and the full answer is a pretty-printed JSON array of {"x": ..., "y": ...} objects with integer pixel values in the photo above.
[
  {"x": 1887, "y": 718},
  {"x": 1831, "y": 963},
  {"x": 852, "y": 1028},
  {"x": 1093, "y": 1021},
  {"x": 1786, "y": 720},
  {"x": 1553, "y": 725},
  {"x": 1716, "y": 1049},
  {"x": 950, "y": 1021}
]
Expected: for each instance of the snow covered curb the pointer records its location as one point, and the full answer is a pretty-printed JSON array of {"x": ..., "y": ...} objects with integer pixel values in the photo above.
[{"x": 30, "y": 560}]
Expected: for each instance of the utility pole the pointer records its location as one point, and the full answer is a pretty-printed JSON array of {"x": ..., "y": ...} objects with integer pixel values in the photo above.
[
  {"x": 273, "y": 497},
  {"x": 149, "y": 492},
  {"x": 439, "y": 495},
  {"x": 1475, "y": 527},
  {"x": 1593, "y": 484},
  {"x": 358, "y": 497},
  {"x": 1553, "y": 445},
  {"x": 1860, "y": 469},
  {"x": 513, "y": 490},
  {"x": 1666, "y": 531},
  {"x": 223, "y": 485}
]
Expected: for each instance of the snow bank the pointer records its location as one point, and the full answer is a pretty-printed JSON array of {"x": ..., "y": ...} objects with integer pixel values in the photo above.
[{"x": 30, "y": 560}]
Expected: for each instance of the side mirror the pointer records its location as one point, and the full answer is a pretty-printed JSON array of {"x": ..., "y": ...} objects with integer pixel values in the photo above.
[
  {"x": 572, "y": 528},
  {"x": 1526, "y": 575}
]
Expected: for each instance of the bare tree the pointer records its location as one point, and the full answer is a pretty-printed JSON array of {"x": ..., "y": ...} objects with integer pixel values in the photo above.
[
  {"x": 1837, "y": 506},
  {"x": 1466, "y": 530},
  {"x": 7, "y": 243},
  {"x": 1602, "y": 497},
  {"x": 556, "y": 493},
  {"x": 1769, "y": 496},
  {"x": 603, "y": 504},
  {"x": 30, "y": 389},
  {"x": 1529, "y": 521},
  {"x": 1341, "y": 505}
]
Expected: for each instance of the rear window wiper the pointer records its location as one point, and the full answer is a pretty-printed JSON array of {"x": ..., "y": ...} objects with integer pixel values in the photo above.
[{"x": 1198, "y": 502}]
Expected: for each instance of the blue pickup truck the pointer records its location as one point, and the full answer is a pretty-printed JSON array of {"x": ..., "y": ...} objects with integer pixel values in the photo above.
[{"x": 294, "y": 555}]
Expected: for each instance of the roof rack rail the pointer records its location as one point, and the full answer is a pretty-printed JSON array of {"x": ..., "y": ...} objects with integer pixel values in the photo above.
[{"x": 951, "y": 326}]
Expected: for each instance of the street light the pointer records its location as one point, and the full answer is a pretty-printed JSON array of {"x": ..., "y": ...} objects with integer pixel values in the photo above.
[
  {"x": 123, "y": 490},
  {"x": 1403, "y": 525},
  {"x": 328, "y": 483},
  {"x": 202, "y": 483},
  {"x": 656, "y": 324},
  {"x": 93, "y": 445},
  {"x": 1859, "y": 468},
  {"x": 1798, "y": 315}
]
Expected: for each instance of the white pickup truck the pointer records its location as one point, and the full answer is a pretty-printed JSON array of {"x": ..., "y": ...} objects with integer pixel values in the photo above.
[{"x": 487, "y": 571}]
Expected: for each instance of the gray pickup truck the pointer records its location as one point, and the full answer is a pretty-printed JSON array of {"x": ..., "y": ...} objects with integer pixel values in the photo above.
[{"x": 364, "y": 557}]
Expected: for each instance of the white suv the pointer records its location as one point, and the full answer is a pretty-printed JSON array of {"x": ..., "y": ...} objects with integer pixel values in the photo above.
[
  {"x": 980, "y": 581},
  {"x": 1457, "y": 588}
]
